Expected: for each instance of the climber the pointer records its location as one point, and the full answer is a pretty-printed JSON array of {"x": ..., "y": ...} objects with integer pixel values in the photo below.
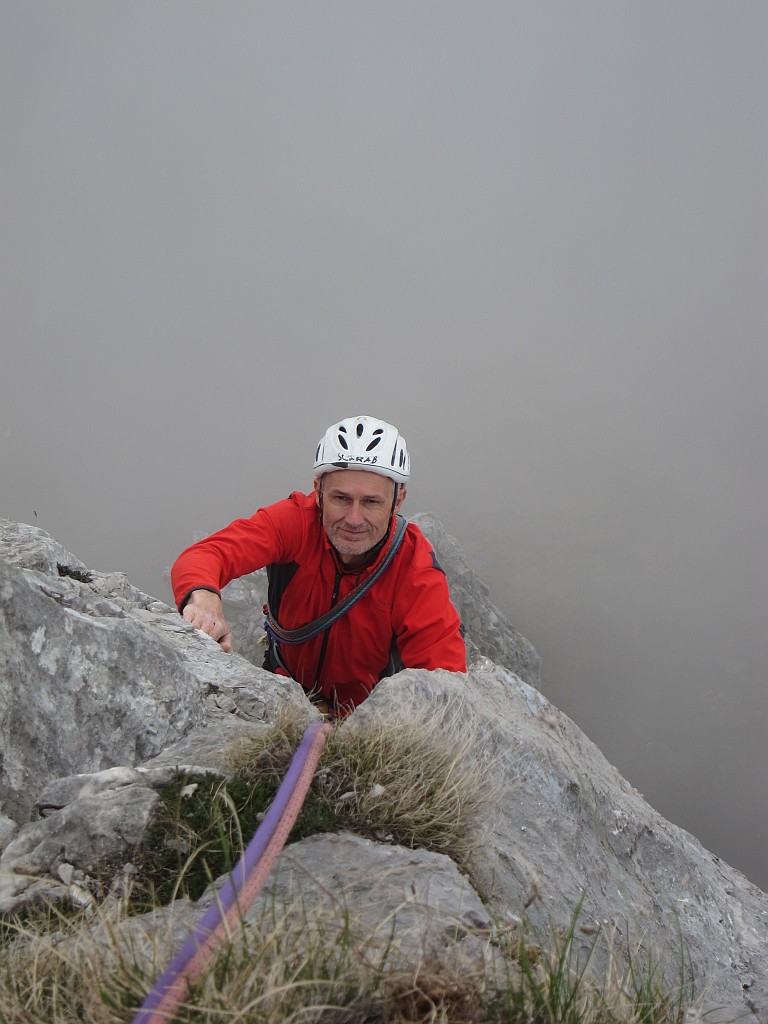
[{"x": 355, "y": 593}]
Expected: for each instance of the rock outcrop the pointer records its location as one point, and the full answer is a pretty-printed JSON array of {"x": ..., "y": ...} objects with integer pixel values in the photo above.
[
  {"x": 104, "y": 692},
  {"x": 96, "y": 674}
]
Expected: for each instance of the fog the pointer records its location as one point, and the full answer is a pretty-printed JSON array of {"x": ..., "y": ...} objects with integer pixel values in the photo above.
[{"x": 533, "y": 235}]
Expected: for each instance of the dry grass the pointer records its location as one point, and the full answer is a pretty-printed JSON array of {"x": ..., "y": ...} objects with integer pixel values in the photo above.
[
  {"x": 278, "y": 970},
  {"x": 413, "y": 781},
  {"x": 312, "y": 968},
  {"x": 417, "y": 782}
]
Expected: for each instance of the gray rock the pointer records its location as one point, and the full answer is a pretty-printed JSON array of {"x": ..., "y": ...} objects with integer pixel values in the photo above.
[
  {"x": 487, "y": 633},
  {"x": 375, "y": 892},
  {"x": 567, "y": 826},
  {"x": 85, "y": 833},
  {"x": 29, "y": 547},
  {"x": 399, "y": 909},
  {"x": 82, "y": 688},
  {"x": 8, "y": 829},
  {"x": 244, "y": 600},
  {"x": 96, "y": 674}
]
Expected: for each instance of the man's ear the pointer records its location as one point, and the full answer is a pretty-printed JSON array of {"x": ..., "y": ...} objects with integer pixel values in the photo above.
[
  {"x": 318, "y": 491},
  {"x": 400, "y": 498}
]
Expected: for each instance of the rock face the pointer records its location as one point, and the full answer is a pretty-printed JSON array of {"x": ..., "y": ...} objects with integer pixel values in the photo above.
[
  {"x": 488, "y": 634},
  {"x": 104, "y": 691},
  {"x": 568, "y": 824},
  {"x": 96, "y": 674},
  {"x": 439, "y": 913}
]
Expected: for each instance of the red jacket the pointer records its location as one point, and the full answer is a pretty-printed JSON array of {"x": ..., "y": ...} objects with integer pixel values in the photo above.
[{"x": 406, "y": 619}]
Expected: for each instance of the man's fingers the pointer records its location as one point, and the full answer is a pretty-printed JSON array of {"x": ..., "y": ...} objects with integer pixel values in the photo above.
[
  {"x": 193, "y": 615},
  {"x": 205, "y": 612},
  {"x": 218, "y": 628},
  {"x": 223, "y": 635},
  {"x": 199, "y": 618}
]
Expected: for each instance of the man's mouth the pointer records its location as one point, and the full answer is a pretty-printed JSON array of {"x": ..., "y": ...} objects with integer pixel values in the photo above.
[{"x": 344, "y": 533}]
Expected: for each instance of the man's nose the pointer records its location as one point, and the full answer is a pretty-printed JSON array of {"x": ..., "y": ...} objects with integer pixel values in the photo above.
[{"x": 354, "y": 514}]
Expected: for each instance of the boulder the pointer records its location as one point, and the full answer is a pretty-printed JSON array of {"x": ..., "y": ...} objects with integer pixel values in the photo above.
[
  {"x": 568, "y": 827},
  {"x": 488, "y": 634},
  {"x": 377, "y": 891},
  {"x": 94, "y": 674}
]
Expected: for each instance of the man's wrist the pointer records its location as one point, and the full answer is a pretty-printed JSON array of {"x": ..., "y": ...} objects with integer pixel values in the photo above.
[{"x": 196, "y": 590}]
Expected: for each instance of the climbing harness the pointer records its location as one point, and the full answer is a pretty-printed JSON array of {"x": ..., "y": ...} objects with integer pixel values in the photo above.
[
  {"x": 275, "y": 632},
  {"x": 248, "y": 877}
]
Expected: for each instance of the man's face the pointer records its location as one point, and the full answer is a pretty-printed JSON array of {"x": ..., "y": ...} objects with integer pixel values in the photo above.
[{"x": 355, "y": 508}]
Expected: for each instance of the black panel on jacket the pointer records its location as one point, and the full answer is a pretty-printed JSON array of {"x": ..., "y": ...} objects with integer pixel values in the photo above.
[{"x": 279, "y": 576}]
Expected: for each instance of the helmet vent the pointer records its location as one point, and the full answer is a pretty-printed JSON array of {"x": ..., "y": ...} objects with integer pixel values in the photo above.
[
  {"x": 343, "y": 442},
  {"x": 373, "y": 444},
  {"x": 360, "y": 429}
]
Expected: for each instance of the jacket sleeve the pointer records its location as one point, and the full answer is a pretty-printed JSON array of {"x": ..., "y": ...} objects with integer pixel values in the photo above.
[
  {"x": 428, "y": 628},
  {"x": 270, "y": 535}
]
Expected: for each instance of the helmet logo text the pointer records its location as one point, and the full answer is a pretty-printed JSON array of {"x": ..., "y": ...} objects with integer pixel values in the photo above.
[{"x": 362, "y": 459}]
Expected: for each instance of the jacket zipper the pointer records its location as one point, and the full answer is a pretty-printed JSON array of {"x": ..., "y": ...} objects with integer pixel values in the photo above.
[{"x": 324, "y": 648}]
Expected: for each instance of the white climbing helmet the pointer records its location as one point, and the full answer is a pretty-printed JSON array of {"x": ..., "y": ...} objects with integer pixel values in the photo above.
[{"x": 362, "y": 442}]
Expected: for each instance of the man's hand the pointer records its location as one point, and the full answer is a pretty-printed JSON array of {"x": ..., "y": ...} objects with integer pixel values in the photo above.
[{"x": 206, "y": 612}]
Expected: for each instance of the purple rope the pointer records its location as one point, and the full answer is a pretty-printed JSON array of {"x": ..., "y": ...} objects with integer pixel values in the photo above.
[{"x": 228, "y": 893}]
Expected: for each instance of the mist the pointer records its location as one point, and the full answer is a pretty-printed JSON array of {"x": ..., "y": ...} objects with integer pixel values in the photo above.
[{"x": 533, "y": 235}]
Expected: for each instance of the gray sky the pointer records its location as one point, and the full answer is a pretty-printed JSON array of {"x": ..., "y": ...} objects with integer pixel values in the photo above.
[{"x": 533, "y": 235}]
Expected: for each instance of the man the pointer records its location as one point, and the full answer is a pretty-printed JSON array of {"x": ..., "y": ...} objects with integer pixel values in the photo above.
[{"x": 341, "y": 555}]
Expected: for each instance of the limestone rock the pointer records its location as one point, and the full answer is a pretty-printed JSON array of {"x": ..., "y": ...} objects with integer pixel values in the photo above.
[
  {"x": 85, "y": 833},
  {"x": 379, "y": 891},
  {"x": 488, "y": 633},
  {"x": 8, "y": 829},
  {"x": 244, "y": 600},
  {"x": 29, "y": 547},
  {"x": 82, "y": 687},
  {"x": 96, "y": 674},
  {"x": 568, "y": 825}
]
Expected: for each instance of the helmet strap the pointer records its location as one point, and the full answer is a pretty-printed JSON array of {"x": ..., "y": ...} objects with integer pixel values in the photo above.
[
  {"x": 394, "y": 499},
  {"x": 320, "y": 496}
]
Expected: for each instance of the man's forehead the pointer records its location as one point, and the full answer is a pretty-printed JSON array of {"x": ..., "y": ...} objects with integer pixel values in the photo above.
[{"x": 358, "y": 482}]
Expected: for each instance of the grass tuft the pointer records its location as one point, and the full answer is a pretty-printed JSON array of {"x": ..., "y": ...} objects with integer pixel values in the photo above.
[{"x": 409, "y": 781}]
